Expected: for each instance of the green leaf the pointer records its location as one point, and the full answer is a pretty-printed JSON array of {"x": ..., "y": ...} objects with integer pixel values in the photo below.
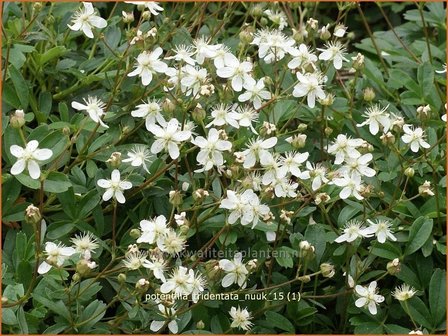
[
  {"x": 20, "y": 86},
  {"x": 53, "y": 53},
  {"x": 23, "y": 325},
  {"x": 418, "y": 311},
  {"x": 92, "y": 314},
  {"x": 437, "y": 296},
  {"x": 418, "y": 234},
  {"x": 283, "y": 256},
  {"x": 279, "y": 321},
  {"x": 57, "y": 183}
]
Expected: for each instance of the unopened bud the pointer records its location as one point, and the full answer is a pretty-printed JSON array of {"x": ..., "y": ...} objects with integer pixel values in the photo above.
[
  {"x": 327, "y": 270},
  {"x": 17, "y": 119},
  {"x": 32, "y": 214},
  {"x": 304, "y": 279},
  {"x": 328, "y": 131},
  {"x": 175, "y": 197},
  {"x": 142, "y": 285},
  {"x": 324, "y": 33},
  {"x": 82, "y": 268},
  {"x": 76, "y": 277},
  {"x": 425, "y": 189},
  {"x": 200, "y": 325},
  {"x": 146, "y": 15},
  {"x": 358, "y": 62},
  {"x": 368, "y": 94},
  {"x": 127, "y": 17},
  {"x": 387, "y": 138},
  {"x": 393, "y": 267},
  {"x": 121, "y": 278},
  {"x": 198, "y": 114},
  {"x": 409, "y": 172},
  {"x": 114, "y": 160},
  {"x": 168, "y": 106},
  {"x": 328, "y": 100}
]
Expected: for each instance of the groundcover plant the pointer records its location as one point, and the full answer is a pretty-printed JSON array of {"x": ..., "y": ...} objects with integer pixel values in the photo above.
[{"x": 223, "y": 168}]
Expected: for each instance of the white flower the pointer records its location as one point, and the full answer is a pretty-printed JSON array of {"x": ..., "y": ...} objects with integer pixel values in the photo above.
[
  {"x": 353, "y": 230},
  {"x": 414, "y": 137},
  {"x": 358, "y": 166},
  {"x": 224, "y": 115},
  {"x": 168, "y": 138},
  {"x": 272, "y": 45},
  {"x": 29, "y": 158},
  {"x": 258, "y": 149},
  {"x": 285, "y": 188},
  {"x": 180, "y": 282},
  {"x": 301, "y": 57},
  {"x": 381, "y": 229},
  {"x": 334, "y": 52},
  {"x": 416, "y": 332},
  {"x": 94, "y": 108},
  {"x": 351, "y": 185},
  {"x": 198, "y": 284},
  {"x": 238, "y": 72},
  {"x": 147, "y": 64},
  {"x": 222, "y": 54},
  {"x": 240, "y": 318},
  {"x": 168, "y": 314},
  {"x": 139, "y": 156},
  {"x": 210, "y": 154},
  {"x": 152, "y": 6},
  {"x": 204, "y": 49},
  {"x": 171, "y": 243},
  {"x": 317, "y": 173},
  {"x": 291, "y": 163},
  {"x": 236, "y": 271},
  {"x": 157, "y": 266},
  {"x": 245, "y": 206},
  {"x": 254, "y": 92},
  {"x": 150, "y": 111},
  {"x": 134, "y": 260},
  {"x": 368, "y": 297},
  {"x": 376, "y": 116},
  {"x": 85, "y": 244},
  {"x": 56, "y": 255},
  {"x": 404, "y": 292},
  {"x": 85, "y": 19},
  {"x": 192, "y": 79},
  {"x": 183, "y": 53},
  {"x": 277, "y": 17},
  {"x": 344, "y": 147},
  {"x": 310, "y": 85},
  {"x": 152, "y": 229},
  {"x": 246, "y": 115},
  {"x": 114, "y": 187}
]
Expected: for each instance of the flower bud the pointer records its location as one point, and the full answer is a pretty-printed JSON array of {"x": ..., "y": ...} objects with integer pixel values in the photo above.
[
  {"x": 17, "y": 119},
  {"x": 304, "y": 279},
  {"x": 409, "y": 172},
  {"x": 114, "y": 160},
  {"x": 425, "y": 189},
  {"x": 168, "y": 106},
  {"x": 306, "y": 249},
  {"x": 246, "y": 35},
  {"x": 351, "y": 36},
  {"x": 200, "y": 325},
  {"x": 82, "y": 268},
  {"x": 324, "y": 33},
  {"x": 252, "y": 264},
  {"x": 388, "y": 138},
  {"x": 393, "y": 267},
  {"x": 312, "y": 23},
  {"x": 32, "y": 214},
  {"x": 146, "y": 15},
  {"x": 423, "y": 112},
  {"x": 267, "y": 128},
  {"x": 257, "y": 10},
  {"x": 368, "y": 94},
  {"x": 127, "y": 17},
  {"x": 327, "y": 270},
  {"x": 121, "y": 278},
  {"x": 263, "y": 21},
  {"x": 328, "y": 131},
  {"x": 328, "y": 100},
  {"x": 4, "y": 300},
  {"x": 321, "y": 198},
  {"x": 297, "y": 141},
  {"x": 198, "y": 114},
  {"x": 175, "y": 197},
  {"x": 142, "y": 285},
  {"x": 76, "y": 277},
  {"x": 200, "y": 194},
  {"x": 135, "y": 233},
  {"x": 358, "y": 62}
]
